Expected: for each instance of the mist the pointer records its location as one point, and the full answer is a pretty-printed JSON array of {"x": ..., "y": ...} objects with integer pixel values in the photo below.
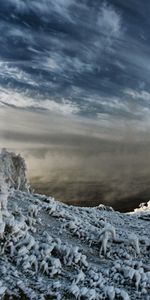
[{"x": 81, "y": 161}]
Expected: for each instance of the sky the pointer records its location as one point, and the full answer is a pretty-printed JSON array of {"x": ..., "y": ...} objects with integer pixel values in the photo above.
[
  {"x": 74, "y": 74},
  {"x": 87, "y": 58}
]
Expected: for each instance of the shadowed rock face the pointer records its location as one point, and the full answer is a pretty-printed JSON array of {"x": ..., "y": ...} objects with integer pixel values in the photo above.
[{"x": 13, "y": 170}]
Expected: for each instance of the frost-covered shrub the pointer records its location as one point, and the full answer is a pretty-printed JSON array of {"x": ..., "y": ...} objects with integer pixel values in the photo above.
[{"x": 13, "y": 168}]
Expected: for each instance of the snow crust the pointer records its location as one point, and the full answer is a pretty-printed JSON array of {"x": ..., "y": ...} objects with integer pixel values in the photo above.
[{"x": 50, "y": 250}]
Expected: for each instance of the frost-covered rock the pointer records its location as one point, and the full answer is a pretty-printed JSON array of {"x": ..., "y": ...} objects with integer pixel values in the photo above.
[{"x": 104, "y": 207}]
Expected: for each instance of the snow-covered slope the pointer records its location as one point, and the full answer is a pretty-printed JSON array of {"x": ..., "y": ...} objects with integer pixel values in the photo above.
[{"x": 53, "y": 251}]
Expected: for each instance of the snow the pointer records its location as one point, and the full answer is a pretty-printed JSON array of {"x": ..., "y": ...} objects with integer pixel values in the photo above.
[{"x": 50, "y": 250}]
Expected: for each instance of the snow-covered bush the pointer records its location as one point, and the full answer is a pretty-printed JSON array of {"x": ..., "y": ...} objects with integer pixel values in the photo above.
[{"x": 13, "y": 168}]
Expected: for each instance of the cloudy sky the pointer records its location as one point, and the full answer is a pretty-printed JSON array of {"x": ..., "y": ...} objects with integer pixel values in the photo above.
[
  {"x": 74, "y": 72},
  {"x": 87, "y": 58}
]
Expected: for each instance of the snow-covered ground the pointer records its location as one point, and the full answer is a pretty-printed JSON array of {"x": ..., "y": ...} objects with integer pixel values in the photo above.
[{"x": 53, "y": 251}]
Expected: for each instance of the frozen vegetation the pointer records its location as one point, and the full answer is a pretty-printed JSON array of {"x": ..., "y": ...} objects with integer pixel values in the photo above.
[{"x": 53, "y": 251}]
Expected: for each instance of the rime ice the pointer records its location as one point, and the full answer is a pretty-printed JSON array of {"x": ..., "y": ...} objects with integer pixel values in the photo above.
[{"x": 49, "y": 249}]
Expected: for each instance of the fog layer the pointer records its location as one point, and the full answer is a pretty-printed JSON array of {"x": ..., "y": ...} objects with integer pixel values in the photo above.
[{"x": 78, "y": 161}]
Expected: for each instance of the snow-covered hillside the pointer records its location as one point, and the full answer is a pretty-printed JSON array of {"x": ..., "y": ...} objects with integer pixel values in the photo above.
[{"x": 53, "y": 251}]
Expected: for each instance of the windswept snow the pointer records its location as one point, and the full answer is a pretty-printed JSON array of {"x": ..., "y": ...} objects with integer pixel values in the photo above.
[{"x": 53, "y": 251}]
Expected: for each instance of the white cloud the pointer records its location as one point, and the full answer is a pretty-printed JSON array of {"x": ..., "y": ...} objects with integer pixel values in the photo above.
[
  {"x": 52, "y": 64},
  {"x": 62, "y": 7},
  {"x": 8, "y": 71},
  {"x": 115, "y": 104},
  {"x": 120, "y": 65},
  {"x": 112, "y": 103},
  {"x": 20, "y": 100},
  {"x": 44, "y": 7},
  {"x": 109, "y": 21},
  {"x": 142, "y": 95},
  {"x": 60, "y": 63}
]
